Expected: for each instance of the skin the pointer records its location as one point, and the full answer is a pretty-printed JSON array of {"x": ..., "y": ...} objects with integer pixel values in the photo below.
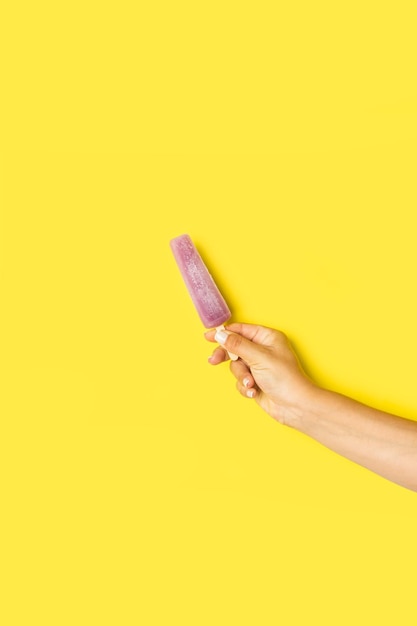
[{"x": 269, "y": 372}]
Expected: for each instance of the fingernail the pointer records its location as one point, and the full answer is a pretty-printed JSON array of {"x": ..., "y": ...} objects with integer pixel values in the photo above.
[
  {"x": 250, "y": 393},
  {"x": 246, "y": 382},
  {"x": 221, "y": 336}
]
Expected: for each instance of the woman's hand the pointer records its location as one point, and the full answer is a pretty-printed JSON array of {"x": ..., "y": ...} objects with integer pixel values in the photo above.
[{"x": 267, "y": 369}]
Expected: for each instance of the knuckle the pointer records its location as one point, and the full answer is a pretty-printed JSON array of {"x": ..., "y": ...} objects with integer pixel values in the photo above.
[
  {"x": 280, "y": 335},
  {"x": 234, "y": 342}
]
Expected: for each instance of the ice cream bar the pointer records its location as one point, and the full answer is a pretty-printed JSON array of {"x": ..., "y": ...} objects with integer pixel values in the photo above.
[{"x": 204, "y": 292}]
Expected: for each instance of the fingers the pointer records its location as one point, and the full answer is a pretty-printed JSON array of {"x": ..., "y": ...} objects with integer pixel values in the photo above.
[
  {"x": 254, "y": 332},
  {"x": 219, "y": 356},
  {"x": 250, "y": 342},
  {"x": 245, "y": 382},
  {"x": 247, "y": 350},
  {"x": 258, "y": 334}
]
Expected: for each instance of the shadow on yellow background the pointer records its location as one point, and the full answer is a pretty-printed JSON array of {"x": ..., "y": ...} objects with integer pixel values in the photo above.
[{"x": 137, "y": 486}]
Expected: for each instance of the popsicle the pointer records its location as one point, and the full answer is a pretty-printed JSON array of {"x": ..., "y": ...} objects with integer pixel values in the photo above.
[{"x": 207, "y": 299}]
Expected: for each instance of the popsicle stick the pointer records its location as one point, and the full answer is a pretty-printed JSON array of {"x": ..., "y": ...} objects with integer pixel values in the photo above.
[{"x": 233, "y": 357}]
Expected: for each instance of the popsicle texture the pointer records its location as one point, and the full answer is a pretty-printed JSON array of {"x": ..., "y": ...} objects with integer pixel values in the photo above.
[{"x": 204, "y": 292}]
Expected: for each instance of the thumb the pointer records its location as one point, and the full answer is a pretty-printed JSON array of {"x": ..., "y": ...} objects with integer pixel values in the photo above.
[{"x": 250, "y": 352}]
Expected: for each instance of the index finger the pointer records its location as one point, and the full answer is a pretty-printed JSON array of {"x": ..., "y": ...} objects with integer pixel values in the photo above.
[{"x": 253, "y": 332}]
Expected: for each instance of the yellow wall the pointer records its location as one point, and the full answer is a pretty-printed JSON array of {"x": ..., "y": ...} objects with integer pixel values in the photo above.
[{"x": 137, "y": 486}]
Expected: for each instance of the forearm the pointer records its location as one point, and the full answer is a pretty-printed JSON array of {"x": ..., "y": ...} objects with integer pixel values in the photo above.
[{"x": 379, "y": 441}]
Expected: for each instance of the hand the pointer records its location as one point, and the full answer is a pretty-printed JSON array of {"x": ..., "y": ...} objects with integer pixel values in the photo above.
[{"x": 267, "y": 369}]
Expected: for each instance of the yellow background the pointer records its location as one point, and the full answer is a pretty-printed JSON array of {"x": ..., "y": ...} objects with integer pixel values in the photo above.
[{"x": 137, "y": 486}]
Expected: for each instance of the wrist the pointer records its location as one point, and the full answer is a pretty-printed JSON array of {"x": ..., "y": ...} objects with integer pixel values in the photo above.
[{"x": 309, "y": 404}]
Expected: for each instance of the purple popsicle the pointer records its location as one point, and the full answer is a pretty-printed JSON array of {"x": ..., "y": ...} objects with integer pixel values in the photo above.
[{"x": 208, "y": 300}]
